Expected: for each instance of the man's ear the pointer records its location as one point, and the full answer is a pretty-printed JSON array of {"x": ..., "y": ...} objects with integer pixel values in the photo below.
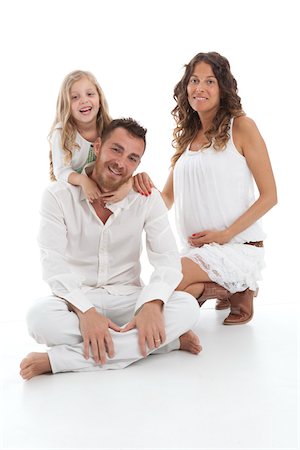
[{"x": 97, "y": 146}]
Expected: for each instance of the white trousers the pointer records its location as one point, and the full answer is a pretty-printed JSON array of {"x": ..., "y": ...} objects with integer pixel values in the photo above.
[{"x": 51, "y": 323}]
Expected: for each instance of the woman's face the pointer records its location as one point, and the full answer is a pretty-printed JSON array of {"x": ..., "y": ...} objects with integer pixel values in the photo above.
[{"x": 203, "y": 89}]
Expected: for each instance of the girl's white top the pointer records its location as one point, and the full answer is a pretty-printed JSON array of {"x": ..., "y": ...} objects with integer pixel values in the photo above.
[
  {"x": 80, "y": 156},
  {"x": 212, "y": 188}
]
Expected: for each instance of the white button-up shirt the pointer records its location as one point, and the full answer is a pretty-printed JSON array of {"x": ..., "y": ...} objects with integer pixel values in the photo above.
[{"x": 80, "y": 253}]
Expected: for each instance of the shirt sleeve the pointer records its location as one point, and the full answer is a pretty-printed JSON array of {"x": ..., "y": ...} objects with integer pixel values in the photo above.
[
  {"x": 52, "y": 240},
  {"x": 162, "y": 253},
  {"x": 61, "y": 168}
]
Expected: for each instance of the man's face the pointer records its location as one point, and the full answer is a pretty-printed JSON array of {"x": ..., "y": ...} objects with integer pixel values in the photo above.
[{"x": 117, "y": 158}]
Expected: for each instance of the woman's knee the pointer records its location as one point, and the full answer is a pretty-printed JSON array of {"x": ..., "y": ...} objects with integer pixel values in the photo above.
[{"x": 192, "y": 273}]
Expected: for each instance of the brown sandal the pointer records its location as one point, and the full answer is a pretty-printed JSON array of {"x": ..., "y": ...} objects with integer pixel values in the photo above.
[
  {"x": 213, "y": 290},
  {"x": 241, "y": 308},
  {"x": 222, "y": 304}
]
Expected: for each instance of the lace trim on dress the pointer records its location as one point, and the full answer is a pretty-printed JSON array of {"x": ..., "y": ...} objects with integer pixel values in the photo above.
[{"x": 235, "y": 267}]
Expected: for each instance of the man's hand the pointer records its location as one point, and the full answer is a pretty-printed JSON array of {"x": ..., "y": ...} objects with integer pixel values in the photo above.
[
  {"x": 150, "y": 324},
  {"x": 94, "y": 329}
]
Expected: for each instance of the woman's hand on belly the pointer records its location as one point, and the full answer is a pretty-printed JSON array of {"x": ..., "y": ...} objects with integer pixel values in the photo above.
[{"x": 208, "y": 237}]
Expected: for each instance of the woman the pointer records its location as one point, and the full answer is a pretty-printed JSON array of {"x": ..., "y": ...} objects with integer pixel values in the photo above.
[{"x": 218, "y": 153}]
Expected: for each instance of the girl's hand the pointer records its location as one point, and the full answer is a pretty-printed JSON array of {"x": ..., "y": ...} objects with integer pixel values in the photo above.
[
  {"x": 143, "y": 184},
  {"x": 119, "y": 194},
  {"x": 90, "y": 189},
  {"x": 208, "y": 237}
]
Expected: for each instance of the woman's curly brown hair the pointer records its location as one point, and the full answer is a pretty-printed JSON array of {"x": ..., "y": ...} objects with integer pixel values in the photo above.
[{"x": 187, "y": 120}]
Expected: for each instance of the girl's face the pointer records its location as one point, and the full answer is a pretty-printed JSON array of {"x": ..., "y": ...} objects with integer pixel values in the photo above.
[
  {"x": 85, "y": 102},
  {"x": 203, "y": 89}
]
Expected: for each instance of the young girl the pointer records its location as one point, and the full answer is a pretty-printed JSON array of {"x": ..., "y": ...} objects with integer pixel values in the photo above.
[
  {"x": 218, "y": 153},
  {"x": 81, "y": 116}
]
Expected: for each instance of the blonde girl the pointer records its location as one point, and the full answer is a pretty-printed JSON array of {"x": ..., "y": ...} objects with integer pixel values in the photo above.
[{"x": 81, "y": 116}]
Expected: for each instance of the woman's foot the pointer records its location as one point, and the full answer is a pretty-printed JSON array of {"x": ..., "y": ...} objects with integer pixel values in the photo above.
[
  {"x": 35, "y": 364},
  {"x": 241, "y": 308},
  {"x": 190, "y": 342}
]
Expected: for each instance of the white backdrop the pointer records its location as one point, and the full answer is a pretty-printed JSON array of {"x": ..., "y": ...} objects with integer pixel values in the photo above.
[{"x": 137, "y": 50}]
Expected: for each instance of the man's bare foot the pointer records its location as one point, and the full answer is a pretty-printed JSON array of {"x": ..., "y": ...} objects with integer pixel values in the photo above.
[
  {"x": 35, "y": 364},
  {"x": 190, "y": 342}
]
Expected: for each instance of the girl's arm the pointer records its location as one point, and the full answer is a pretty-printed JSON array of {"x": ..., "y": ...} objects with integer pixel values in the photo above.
[
  {"x": 89, "y": 187},
  {"x": 119, "y": 194},
  {"x": 63, "y": 170}
]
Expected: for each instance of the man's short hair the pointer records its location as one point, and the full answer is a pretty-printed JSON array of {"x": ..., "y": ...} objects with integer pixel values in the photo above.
[{"x": 129, "y": 124}]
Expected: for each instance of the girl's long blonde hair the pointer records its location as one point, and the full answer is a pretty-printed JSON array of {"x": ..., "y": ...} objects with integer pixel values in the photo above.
[
  {"x": 187, "y": 120},
  {"x": 64, "y": 117}
]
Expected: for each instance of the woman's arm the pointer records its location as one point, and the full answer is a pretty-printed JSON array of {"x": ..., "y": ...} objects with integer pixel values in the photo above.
[
  {"x": 168, "y": 191},
  {"x": 251, "y": 145}
]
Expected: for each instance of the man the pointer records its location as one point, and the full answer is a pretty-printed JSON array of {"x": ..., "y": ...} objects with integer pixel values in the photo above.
[{"x": 100, "y": 316}]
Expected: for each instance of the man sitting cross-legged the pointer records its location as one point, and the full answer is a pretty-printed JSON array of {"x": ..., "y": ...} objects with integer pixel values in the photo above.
[{"x": 100, "y": 316}]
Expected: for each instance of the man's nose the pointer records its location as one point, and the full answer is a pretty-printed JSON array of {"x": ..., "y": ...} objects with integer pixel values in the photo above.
[{"x": 120, "y": 161}]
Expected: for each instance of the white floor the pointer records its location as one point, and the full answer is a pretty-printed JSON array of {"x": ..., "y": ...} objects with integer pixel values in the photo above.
[{"x": 241, "y": 392}]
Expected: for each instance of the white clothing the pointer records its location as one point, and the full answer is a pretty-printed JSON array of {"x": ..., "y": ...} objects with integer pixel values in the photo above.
[
  {"x": 61, "y": 168},
  {"x": 212, "y": 188},
  {"x": 51, "y": 323},
  {"x": 79, "y": 253},
  {"x": 91, "y": 264}
]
